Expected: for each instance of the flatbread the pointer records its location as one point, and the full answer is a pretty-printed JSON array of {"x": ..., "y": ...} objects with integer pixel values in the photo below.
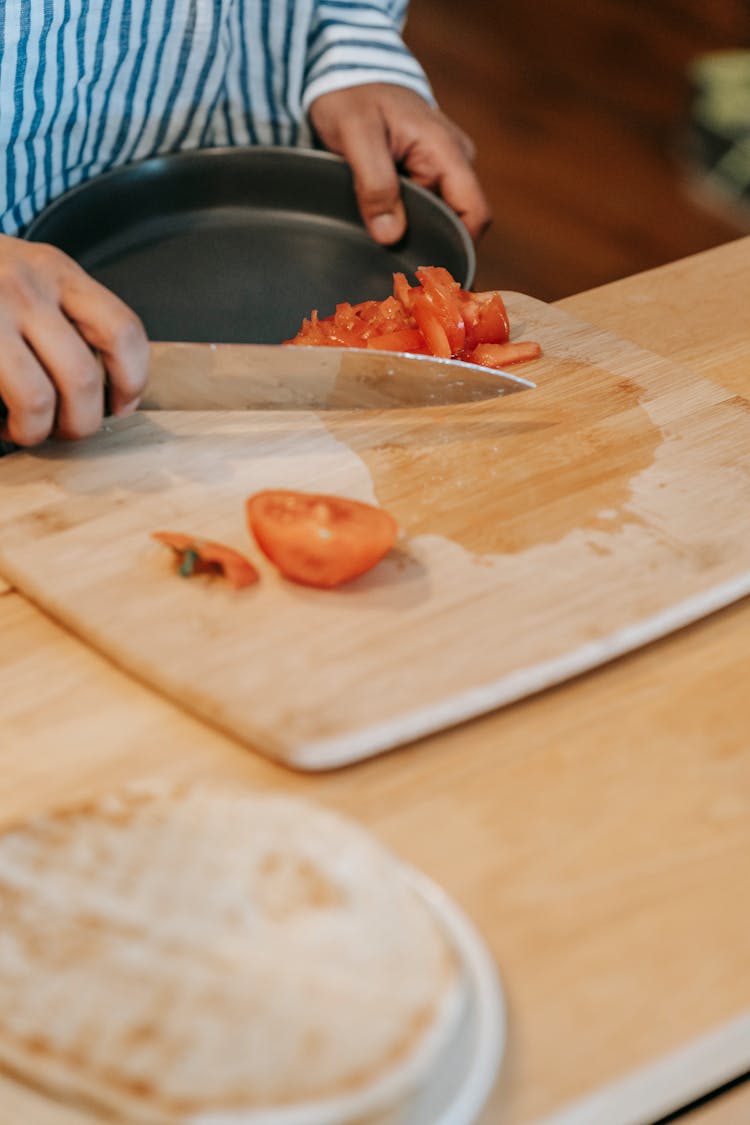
[{"x": 166, "y": 955}]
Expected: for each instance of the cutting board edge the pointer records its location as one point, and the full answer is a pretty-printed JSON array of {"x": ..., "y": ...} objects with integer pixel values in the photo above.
[
  {"x": 90, "y": 639},
  {"x": 325, "y": 754},
  {"x": 330, "y": 753},
  {"x": 343, "y": 750}
]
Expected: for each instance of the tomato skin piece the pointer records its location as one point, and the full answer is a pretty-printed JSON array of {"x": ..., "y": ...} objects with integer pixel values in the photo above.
[
  {"x": 317, "y": 539},
  {"x": 503, "y": 355},
  {"x": 204, "y": 556}
]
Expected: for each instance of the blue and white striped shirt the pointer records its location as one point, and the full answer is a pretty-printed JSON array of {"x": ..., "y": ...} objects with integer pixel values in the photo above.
[{"x": 86, "y": 85}]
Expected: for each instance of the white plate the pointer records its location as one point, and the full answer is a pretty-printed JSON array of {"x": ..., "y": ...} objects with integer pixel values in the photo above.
[
  {"x": 465, "y": 1071},
  {"x": 469, "y": 1068}
]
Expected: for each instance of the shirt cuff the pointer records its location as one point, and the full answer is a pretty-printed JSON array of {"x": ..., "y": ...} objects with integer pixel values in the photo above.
[
  {"x": 342, "y": 79},
  {"x": 341, "y": 55}
]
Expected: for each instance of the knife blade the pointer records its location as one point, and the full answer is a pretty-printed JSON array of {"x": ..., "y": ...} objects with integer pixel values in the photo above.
[{"x": 184, "y": 376}]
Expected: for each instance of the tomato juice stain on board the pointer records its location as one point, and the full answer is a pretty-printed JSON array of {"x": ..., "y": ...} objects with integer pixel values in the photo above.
[{"x": 501, "y": 477}]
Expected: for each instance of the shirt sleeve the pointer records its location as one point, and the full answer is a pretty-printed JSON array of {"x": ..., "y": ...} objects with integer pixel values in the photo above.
[{"x": 353, "y": 43}]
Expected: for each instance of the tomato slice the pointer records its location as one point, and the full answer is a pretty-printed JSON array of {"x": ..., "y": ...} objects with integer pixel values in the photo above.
[
  {"x": 316, "y": 539},
  {"x": 503, "y": 355},
  {"x": 203, "y": 556}
]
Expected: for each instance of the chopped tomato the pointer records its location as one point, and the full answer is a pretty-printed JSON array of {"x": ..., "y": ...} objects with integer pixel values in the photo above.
[
  {"x": 430, "y": 325},
  {"x": 436, "y": 317},
  {"x": 437, "y": 277},
  {"x": 203, "y": 556},
  {"x": 379, "y": 312},
  {"x": 319, "y": 540},
  {"x": 503, "y": 355},
  {"x": 486, "y": 319},
  {"x": 351, "y": 326},
  {"x": 444, "y": 295},
  {"x": 401, "y": 340},
  {"x": 402, "y": 291}
]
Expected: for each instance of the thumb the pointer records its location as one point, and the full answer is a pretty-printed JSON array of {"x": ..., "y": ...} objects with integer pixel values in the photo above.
[
  {"x": 376, "y": 182},
  {"x": 386, "y": 227},
  {"x": 350, "y": 123}
]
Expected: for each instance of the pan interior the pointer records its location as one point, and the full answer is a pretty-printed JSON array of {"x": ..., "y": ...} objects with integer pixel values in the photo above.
[{"x": 237, "y": 245}]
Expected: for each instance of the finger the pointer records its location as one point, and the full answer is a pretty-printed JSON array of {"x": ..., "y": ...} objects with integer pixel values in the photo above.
[
  {"x": 364, "y": 145},
  {"x": 462, "y": 191},
  {"x": 107, "y": 324},
  {"x": 27, "y": 392},
  {"x": 438, "y": 161},
  {"x": 74, "y": 370}
]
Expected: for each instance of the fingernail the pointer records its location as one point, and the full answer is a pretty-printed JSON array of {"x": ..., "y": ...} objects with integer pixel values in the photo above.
[{"x": 386, "y": 227}]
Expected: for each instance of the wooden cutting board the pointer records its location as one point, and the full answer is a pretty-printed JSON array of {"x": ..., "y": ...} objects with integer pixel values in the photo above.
[{"x": 542, "y": 534}]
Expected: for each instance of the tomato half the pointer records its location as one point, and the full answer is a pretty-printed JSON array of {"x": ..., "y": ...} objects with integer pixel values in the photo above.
[
  {"x": 203, "y": 556},
  {"x": 316, "y": 539}
]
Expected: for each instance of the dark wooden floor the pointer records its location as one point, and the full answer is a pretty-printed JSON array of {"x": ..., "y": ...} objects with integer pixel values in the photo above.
[{"x": 577, "y": 108}]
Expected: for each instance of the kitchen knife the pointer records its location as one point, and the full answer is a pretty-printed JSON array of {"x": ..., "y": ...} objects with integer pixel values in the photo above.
[{"x": 186, "y": 376}]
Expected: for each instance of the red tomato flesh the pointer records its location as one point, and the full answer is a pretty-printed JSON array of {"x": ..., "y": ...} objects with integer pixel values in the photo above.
[
  {"x": 436, "y": 317},
  {"x": 430, "y": 324},
  {"x": 319, "y": 540},
  {"x": 402, "y": 340},
  {"x": 444, "y": 296},
  {"x": 402, "y": 291},
  {"x": 503, "y": 355},
  {"x": 486, "y": 319}
]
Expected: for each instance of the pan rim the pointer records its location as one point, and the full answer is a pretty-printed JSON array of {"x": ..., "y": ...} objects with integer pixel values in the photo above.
[{"x": 232, "y": 152}]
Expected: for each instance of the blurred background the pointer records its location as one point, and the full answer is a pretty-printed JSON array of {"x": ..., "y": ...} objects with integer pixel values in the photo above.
[{"x": 581, "y": 111}]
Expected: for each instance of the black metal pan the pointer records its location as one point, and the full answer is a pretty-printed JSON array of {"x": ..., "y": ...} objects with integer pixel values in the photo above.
[{"x": 237, "y": 245}]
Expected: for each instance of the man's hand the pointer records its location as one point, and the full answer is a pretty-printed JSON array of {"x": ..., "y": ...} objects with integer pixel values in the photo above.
[
  {"x": 52, "y": 314},
  {"x": 376, "y": 126}
]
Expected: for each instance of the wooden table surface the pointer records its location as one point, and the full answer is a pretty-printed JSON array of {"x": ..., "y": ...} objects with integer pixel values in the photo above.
[
  {"x": 598, "y": 834},
  {"x": 732, "y": 1108}
]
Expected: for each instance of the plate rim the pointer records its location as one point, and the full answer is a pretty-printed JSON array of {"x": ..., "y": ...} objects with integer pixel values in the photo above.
[
  {"x": 485, "y": 995},
  {"x": 488, "y": 995}
]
